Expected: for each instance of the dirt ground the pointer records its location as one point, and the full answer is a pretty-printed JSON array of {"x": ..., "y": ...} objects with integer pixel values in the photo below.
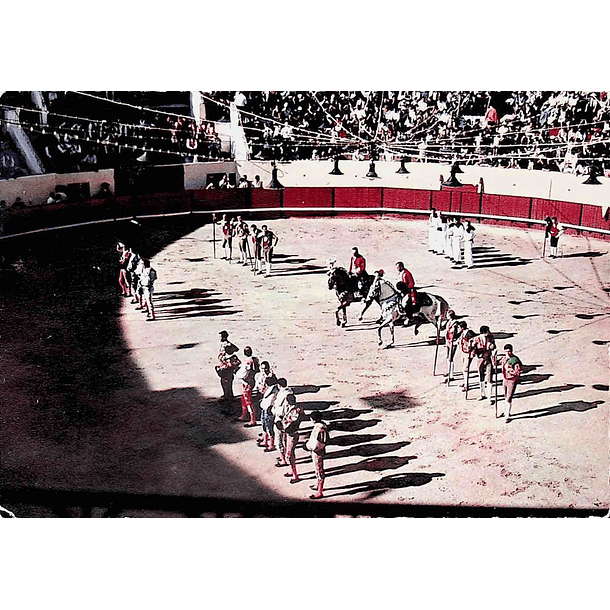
[{"x": 150, "y": 420}]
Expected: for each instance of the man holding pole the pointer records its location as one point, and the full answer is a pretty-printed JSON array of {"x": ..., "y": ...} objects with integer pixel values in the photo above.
[
  {"x": 465, "y": 349},
  {"x": 227, "y": 235},
  {"x": 451, "y": 337},
  {"x": 483, "y": 346},
  {"x": 242, "y": 233}
]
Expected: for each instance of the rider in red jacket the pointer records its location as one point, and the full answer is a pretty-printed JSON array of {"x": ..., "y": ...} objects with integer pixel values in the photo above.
[{"x": 406, "y": 278}]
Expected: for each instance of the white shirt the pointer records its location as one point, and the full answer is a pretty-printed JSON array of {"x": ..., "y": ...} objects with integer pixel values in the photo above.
[{"x": 279, "y": 406}]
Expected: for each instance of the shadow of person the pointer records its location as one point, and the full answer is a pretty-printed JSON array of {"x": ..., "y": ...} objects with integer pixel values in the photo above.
[
  {"x": 551, "y": 390},
  {"x": 373, "y": 464},
  {"x": 368, "y": 450},
  {"x": 590, "y": 254},
  {"x": 307, "y": 389},
  {"x": 345, "y": 413},
  {"x": 577, "y": 405},
  {"x": 354, "y": 439},
  {"x": 317, "y": 405},
  {"x": 393, "y": 481},
  {"x": 534, "y": 378},
  {"x": 352, "y": 425}
]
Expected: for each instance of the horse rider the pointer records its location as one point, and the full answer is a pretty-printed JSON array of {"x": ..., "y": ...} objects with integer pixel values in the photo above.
[
  {"x": 406, "y": 286},
  {"x": 358, "y": 264}
]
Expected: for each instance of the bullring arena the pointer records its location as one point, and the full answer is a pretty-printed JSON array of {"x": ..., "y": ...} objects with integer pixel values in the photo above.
[
  {"x": 152, "y": 424},
  {"x": 106, "y": 414}
]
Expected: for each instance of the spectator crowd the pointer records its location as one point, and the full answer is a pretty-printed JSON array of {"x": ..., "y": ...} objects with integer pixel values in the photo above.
[
  {"x": 546, "y": 130},
  {"x": 564, "y": 131}
]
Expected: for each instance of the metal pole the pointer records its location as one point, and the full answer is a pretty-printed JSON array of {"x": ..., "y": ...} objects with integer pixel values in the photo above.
[
  {"x": 438, "y": 334},
  {"x": 495, "y": 375},
  {"x": 214, "y": 233},
  {"x": 544, "y": 242},
  {"x": 248, "y": 250}
]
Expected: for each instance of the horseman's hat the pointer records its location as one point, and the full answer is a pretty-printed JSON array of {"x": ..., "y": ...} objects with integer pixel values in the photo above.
[{"x": 379, "y": 272}]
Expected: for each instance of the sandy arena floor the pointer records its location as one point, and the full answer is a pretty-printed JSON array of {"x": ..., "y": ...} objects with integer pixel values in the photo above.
[
  {"x": 94, "y": 398},
  {"x": 398, "y": 433}
]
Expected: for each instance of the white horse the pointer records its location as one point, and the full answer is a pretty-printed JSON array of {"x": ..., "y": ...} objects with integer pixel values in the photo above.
[
  {"x": 384, "y": 294},
  {"x": 432, "y": 308}
]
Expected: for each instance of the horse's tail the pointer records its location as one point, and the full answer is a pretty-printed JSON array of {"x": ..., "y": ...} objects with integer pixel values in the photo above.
[{"x": 443, "y": 309}]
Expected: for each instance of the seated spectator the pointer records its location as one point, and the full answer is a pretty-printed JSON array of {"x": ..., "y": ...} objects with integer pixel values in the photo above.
[{"x": 104, "y": 192}]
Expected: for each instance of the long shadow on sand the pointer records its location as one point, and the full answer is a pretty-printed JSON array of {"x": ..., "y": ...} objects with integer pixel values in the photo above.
[
  {"x": 552, "y": 390},
  {"x": 376, "y": 488},
  {"x": 579, "y": 406}
]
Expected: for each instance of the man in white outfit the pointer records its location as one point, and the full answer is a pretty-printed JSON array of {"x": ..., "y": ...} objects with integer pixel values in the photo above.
[
  {"x": 468, "y": 244},
  {"x": 432, "y": 226},
  {"x": 457, "y": 237}
]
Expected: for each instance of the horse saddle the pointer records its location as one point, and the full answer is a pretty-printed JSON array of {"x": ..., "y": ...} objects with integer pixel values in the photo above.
[{"x": 423, "y": 300}]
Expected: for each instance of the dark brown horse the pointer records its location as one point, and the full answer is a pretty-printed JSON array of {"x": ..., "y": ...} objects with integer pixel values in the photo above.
[{"x": 349, "y": 289}]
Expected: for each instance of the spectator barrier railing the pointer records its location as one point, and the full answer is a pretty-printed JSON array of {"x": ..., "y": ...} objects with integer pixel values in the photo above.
[{"x": 312, "y": 201}]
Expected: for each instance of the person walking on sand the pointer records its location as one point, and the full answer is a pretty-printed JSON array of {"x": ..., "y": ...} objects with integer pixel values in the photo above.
[
  {"x": 270, "y": 240},
  {"x": 228, "y": 362},
  {"x": 483, "y": 346},
  {"x": 148, "y": 279},
  {"x": 468, "y": 244},
  {"x": 511, "y": 372},
  {"x": 246, "y": 374},
  {"x": 267, "y": 385},
  {"x": 555, "y": 232},
  {"x": 318, "y": 439},
  {"x": 279, "y": 410},
  {"x": 290, "y": 425}
]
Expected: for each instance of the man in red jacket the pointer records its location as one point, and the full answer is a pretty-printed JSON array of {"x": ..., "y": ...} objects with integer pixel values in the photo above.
[
  {"x": 406, "y": 285},
  {"x": 357, "y": 263}
]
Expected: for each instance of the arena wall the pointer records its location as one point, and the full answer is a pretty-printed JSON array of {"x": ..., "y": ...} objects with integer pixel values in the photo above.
[{"x": 311, "y": 191}]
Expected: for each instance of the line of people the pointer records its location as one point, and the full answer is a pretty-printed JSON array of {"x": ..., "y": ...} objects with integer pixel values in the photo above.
[
  {"x": 459, "y": 339},
  {"x": 137, "y": 279},
  {"x": 255, "y": 245},
  {"x": 270, "y": 400},
  {"x": 448, "y": 236}
]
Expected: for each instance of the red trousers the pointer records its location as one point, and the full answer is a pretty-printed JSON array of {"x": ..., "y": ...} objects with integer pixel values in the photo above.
[{"x": 246, "y": 403}]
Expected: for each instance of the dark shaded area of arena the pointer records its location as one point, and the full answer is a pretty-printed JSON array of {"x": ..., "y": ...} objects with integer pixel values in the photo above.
[{"x": 78, "y": 416}]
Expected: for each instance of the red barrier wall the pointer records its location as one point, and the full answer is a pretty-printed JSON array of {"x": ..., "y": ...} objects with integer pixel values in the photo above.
[
  {"x": 406, "y": 199},
  {"x": 232, "y": 199},
  {"x": 358, "y": 198},
  {"x": 262, "y": 198},
  {"x": 504, "y": 205},
  {"x": 441, "y": 200},
  {"x": 464, "y": 201},
  {"x": 469, "y": 202},
  {"x": 308, "y": 198},
  {"x": 566, "y": 212}
]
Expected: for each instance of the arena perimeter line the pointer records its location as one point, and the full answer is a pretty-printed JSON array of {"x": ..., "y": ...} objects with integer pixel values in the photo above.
[
  {"x": 333, "y": 211},
  {"x": 504, "y": 465}
]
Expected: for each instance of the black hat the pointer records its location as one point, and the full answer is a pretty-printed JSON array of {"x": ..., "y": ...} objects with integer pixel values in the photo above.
[{"x": 223, "y": 333}]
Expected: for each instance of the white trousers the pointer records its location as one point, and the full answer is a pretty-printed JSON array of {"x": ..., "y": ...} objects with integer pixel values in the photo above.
[{"x": 468, "y": 253}]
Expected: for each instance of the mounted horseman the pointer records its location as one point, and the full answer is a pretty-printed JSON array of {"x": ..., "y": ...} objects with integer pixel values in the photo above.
[{"x": 351, "y": 287}]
